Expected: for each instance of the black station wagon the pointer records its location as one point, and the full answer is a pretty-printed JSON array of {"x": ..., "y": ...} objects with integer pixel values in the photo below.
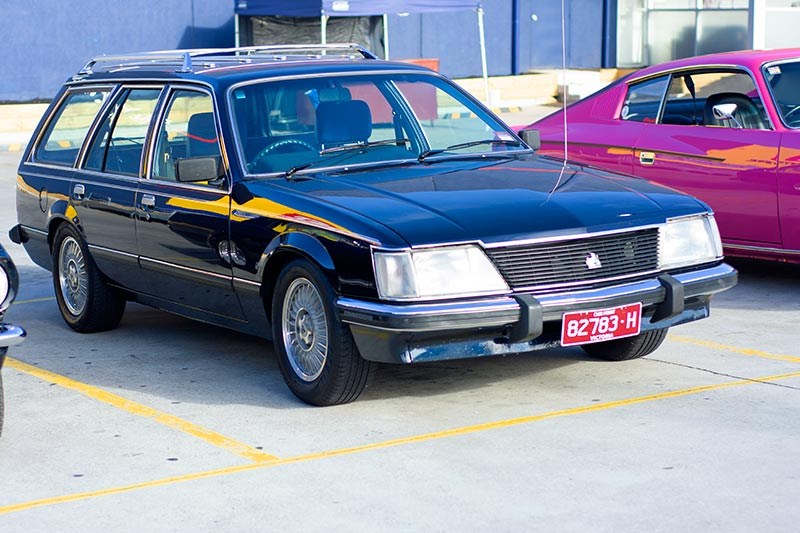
[{"x": 351, "y": 209}]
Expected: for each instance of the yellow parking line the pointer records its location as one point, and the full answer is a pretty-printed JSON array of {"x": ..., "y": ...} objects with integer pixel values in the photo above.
[
  {"x": 34, "y": 300},
  {"x": 390, "y": 443},
  {"x": 734, "y": 349},
  {"x": 171, "y": 421}
]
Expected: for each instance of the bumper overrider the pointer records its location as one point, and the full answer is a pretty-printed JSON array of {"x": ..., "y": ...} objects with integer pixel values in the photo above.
[{"x": 407, "y": 333}]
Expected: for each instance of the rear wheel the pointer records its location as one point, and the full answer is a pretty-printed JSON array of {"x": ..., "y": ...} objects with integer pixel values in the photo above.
[
  {"x": 629, "y": 347},
  {"x": 86, "y": 301},
  {"x": 316, "y": 353}
]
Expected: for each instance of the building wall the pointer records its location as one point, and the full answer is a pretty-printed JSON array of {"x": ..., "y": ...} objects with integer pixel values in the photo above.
[
  {"x": 453, "y": 38},
  {"x": 46, "y": 41}
]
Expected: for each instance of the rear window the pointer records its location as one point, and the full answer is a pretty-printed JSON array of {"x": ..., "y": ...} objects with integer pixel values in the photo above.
[{"x": 66, "y": 132}]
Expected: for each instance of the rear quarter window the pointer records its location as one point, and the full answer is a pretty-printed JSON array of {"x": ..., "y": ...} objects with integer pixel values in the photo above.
[
  {"x": 643, "y": 100},
  {"x": 67, "y": 130}
]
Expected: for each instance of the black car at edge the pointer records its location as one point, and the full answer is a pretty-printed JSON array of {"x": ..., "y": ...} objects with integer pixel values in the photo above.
[
  {"x": 351, "y": 209},
  {"x": 10, "y": 335}
]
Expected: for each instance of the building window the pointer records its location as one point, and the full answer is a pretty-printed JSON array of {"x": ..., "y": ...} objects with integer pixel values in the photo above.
[{"x": 654, "y": 31}]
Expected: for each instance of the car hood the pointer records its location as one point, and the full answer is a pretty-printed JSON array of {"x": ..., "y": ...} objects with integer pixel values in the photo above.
[{"x": 489, "y": 200}]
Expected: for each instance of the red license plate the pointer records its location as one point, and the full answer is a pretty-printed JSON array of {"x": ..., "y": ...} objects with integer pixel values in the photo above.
[{"x": 584, "y": 327}]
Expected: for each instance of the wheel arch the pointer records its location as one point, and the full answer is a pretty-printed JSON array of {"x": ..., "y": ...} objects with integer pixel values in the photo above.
[{"x": 284, "y": 249}]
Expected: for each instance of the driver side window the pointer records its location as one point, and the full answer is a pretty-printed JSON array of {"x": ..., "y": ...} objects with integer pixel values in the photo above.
[{"x": 188, "y": 130}]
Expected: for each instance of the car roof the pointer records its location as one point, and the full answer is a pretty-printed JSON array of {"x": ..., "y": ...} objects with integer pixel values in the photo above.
[
  {"x": 228, "y": 66},
  {"x": 750, "y": 59}
]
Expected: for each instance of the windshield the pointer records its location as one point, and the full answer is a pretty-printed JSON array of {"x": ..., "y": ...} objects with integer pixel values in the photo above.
[
  {"x": 286, "y": 126},
  {"x": 784, "y": 82}
]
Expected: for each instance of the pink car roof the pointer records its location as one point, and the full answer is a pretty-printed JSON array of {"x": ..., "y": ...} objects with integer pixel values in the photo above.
[{"x": 751, "y": 59}]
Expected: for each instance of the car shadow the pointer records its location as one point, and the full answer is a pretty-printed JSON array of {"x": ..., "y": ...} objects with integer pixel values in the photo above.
[
  {"x": 181, "y": 360},
  {"x": 763, "y": 285}
]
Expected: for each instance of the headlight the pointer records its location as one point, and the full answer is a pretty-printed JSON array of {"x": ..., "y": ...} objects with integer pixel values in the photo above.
[
  {"x": 436, "y": 273},
  {"x": 689, "y": 241}
]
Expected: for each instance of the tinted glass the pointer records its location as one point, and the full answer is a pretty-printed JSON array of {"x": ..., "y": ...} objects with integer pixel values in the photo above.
[
  {"x": 120, "y": 140},
  {"x": 784, "y": 82},
  {"x": 644, "y": 99},
  {"x": 347, "y": 120},
  {"x": 691, "y": 98},
  {"x": 187, "y": 131},
  {"x": 66, "y": 132}
]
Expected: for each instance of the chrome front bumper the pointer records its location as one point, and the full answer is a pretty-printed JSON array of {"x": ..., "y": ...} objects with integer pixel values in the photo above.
[
  {"x": 517, "y": 321},
  {"x": 10, "y": 335}
]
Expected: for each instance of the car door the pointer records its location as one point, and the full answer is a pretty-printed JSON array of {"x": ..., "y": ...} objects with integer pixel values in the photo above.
[
  {"x": 104, "y": 187},
  {"x": 729, "y": 164},
  {"x": 182, "y": 226}
]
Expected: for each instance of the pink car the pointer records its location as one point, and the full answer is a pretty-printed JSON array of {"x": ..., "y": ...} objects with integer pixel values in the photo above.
[{"x": 724, "y": 128}]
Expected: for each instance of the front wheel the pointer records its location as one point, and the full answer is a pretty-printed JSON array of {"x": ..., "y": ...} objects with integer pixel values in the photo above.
[
  {"x": 316, "y": 353},
  {"x": 629, "y": 347},
  {"x": 86, "y": 301}
]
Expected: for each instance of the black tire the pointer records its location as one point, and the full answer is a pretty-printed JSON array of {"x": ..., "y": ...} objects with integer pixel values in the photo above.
[
  {"x": 629, "y": 347},
  {"x": 86, "y": 301},
  {"x": 305, "y": 329}
]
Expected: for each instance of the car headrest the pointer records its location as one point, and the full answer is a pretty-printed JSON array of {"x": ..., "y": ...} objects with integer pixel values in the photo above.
[
  {"x": 746, "y": 113},
  {"x": 202, "y": 134},
  {"x": 343, "y": 122}
]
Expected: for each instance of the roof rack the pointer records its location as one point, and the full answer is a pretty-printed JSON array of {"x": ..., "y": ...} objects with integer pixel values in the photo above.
[{"x": 184, "y": 60}]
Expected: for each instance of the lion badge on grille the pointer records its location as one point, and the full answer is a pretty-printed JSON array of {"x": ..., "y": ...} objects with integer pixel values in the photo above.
[{"x": 593, "y": 261}]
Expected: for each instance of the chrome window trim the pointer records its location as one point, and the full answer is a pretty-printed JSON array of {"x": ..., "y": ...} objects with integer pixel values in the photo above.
[
  {"x": 31, "y": 159},
  {"x": 699, "y": 70},
  {"x": 169, "y": 90},
  {"x": 774, "y": 101},
  {"x": 129, "y": 85}
]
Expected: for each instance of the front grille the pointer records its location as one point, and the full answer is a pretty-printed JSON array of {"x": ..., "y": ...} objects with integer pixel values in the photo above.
[{"x": 560, "y": 263}]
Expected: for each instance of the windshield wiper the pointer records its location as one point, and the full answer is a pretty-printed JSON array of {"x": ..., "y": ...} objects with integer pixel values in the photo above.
[
  {"x": 295, "y": 169},
  {"x": 356, "y": 146},
  {"x": 504, "y": 142}
]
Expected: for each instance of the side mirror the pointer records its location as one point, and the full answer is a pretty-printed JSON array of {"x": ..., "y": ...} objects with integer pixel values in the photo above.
[
  {"x": 194, "y": 169},
  {"x": 725, "y": 112},
  {"x": 531, "y": 138}
]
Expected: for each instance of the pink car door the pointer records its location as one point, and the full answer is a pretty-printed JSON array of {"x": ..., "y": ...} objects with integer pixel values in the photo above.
[
  {"x": 783, "y": 80},
  {"x": 789, "y": 191},
  {"x": 730, "y": 164}
]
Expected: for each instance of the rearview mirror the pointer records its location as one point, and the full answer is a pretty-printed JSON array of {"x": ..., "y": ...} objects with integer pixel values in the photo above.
[
  {"x": 531, "y": 138},
  {"x": 194, "y": 169}
]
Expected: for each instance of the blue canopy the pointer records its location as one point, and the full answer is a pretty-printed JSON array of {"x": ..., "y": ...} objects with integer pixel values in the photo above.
[{"x": 347, "y": 8}]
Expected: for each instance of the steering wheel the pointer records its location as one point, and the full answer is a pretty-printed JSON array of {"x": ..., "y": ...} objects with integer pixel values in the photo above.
[
  {"x": 791, "y": 112},
  {"x": 296, "y": 145}
]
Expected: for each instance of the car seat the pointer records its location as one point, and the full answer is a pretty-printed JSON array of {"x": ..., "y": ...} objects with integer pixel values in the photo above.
[{"x": 746, "y": 113}]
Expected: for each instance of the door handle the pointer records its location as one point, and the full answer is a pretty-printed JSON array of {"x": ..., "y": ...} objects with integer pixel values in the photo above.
[
  {"x": 78, "y": 191},
  {"x": 148, "y": 201},
  {"x": 647, "y": 158}
]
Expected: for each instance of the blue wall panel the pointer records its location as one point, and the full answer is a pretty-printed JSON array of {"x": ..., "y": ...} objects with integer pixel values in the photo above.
[
  {"x": 46, "y": 41},
  {"x": 539, "y": 44},
  {"x": 453, "y": 38}
]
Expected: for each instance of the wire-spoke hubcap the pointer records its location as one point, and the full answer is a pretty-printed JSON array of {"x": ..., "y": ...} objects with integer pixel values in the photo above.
[
  {"x": 305, "y": 330},
  {"x": 72, "y": 276}
]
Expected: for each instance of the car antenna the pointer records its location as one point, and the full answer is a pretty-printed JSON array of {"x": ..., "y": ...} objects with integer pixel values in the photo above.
[{"x": 563, "y": 92}]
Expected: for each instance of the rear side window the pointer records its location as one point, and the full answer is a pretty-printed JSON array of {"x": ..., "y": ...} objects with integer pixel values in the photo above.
[
  {"x": 644, "y": 99},
  {"x": 66, "y": 132},
  {"x": 121, "y": 138}
]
